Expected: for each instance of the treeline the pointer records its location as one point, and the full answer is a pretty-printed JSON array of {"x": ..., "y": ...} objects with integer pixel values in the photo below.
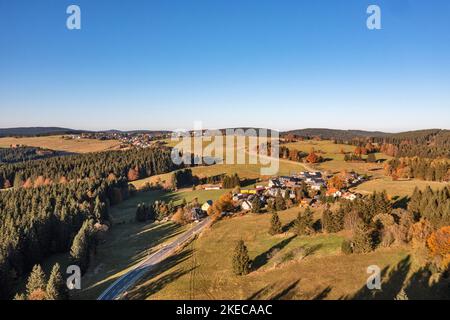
[
  {"x": 38, "y": 222},
  {"x": 432, "y": 144},
  {"x": 21, "y": 154},
  {"x": 419, "y": 168},
  {"x": 374, "y": 222},
  {"x": 134, "y": 164}
]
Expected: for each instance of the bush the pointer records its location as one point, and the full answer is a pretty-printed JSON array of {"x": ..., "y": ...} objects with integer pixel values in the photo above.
[{"x": 346, "y": 247}]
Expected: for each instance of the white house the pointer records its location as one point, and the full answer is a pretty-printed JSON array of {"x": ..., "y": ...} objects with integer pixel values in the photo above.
[
  {"x": 246, "y": 205},
  {"x": 206, "y": 205}
]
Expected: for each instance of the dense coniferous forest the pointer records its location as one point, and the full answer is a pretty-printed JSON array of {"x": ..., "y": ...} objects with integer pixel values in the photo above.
[
  {"x": 141, "y": 162},
  {"x": 433, "y": 143},
  {"x": 21, "y": 154},
  {"x": 37, "y": 222}
]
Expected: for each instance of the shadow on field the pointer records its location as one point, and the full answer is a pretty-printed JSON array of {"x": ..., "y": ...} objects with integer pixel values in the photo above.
[
  {"x": 270, "y": 292},
  {"x": 154, "y": 282},
  {"x": 420, "y": 285},
  {"x": 264, "y": 257}
]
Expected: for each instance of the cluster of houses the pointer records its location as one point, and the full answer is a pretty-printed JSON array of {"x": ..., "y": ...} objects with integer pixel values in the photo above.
[
  {"x": 313, "y": 181},
  {"x": 138, "y": 140}
]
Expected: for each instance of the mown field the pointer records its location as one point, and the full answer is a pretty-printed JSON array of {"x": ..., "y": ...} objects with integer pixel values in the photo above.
[
  {"x": 203, "y": 270},
  {"x": 60, "y": 144}
]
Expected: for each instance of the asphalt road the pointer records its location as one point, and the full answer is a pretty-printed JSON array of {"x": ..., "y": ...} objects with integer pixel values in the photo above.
[{"x": 131, "y": 277}]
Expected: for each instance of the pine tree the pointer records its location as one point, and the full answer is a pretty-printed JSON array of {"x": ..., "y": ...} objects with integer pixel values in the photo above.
[
  {"x": 256, "y": 204},
  {"x": 56, "y": 288},
  {"x": 241, "y": 259},
  {"x": 304, "y": 222},
  {"x": 280, "y": 204},
  {"x": 275, "y": 225},
  {"x": 36, "y": 280},
  {"x": 362, "y": 239}
]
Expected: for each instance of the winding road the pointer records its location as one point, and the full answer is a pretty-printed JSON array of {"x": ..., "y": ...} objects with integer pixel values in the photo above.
[{"x": 125, "y": 282}]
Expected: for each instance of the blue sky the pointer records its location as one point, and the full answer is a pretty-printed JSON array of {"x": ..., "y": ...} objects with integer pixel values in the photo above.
[{"x": 163, "y": 64}]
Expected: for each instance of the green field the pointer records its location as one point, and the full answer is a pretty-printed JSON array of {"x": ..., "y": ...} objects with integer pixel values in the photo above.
[
  {"x": 128, "y": 242},
  {"x": 202, "y": 270}
]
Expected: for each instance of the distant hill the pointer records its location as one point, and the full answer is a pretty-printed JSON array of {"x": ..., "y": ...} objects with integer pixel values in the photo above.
[
  {"x": 35, "y": 131},
  {"x": 336, "y": 134}
]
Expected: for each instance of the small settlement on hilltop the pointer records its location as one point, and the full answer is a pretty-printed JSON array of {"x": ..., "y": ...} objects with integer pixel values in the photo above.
[{"x": 305, "y": 189}]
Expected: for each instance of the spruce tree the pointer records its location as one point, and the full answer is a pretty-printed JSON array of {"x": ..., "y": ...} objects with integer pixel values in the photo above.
[
  {"x": 275, "y": 225},
  {"x": 280, "y": 204},
  {"x": 362, "y": 239},
  {"x": 241, "y": 259},
  {"x": 36, "y": 280},
  {"x": 56, "y": 288},
  {"x": 303, "y": 225},
  {"x": 256, "y": 204}
]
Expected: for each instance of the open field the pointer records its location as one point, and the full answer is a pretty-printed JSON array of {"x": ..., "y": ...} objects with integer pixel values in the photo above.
[
  {"x": 396, "y": 188},
  {"x": 129, "y": 242},
  {"x": 202, "y": 270},
  {"x": 245, "y": 171},
  {"x": 60, "y": 144}
]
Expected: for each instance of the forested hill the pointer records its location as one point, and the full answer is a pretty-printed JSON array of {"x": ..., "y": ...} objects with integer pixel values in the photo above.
[
  {"x": 324, "y": 133},
  {"x": 35, "y": 131}
]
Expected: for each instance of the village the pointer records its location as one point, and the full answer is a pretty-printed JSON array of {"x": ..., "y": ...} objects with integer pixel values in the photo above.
[{"x": 305, "y": 189}]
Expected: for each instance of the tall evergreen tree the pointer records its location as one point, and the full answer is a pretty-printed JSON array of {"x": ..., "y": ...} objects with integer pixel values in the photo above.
[
  {"x": 36, "y": 280},
  {"x": 275, "y": 225},
  {"x": 241, "y": 259},
  {"x": 56, "y": 287}
]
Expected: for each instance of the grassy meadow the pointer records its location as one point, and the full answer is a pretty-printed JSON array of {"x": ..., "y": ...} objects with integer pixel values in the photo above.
[
  {"x": 59, "y": 144},
  {"x": 312, "y": 267}
]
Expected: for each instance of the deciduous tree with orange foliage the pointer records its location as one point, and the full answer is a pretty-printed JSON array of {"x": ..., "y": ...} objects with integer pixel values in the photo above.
[
  {"x": 313, "y": 158},
  {"x": 439, "y": 245},
  {"x": 223, "y": 204}
]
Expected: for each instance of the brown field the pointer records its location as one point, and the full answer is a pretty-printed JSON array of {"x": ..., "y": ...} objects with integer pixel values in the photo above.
[{"x": 60, "y": 144}]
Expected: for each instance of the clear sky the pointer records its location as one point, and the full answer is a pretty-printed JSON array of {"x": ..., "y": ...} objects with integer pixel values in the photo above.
[{"x": 163, "y": 64}]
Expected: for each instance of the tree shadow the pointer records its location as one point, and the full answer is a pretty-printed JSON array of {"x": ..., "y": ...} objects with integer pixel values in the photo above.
[
  {"x": 423, "y": 285},
  {"x": 400, "y": 203},
  {"x": 147, "y": 289},
  {"x": 288, "y": 226},
  {"x": 264, "y": 257},
  {"x": 323, "y": 294},
  {"x": 390, "y": 287},
  {"x": 270, "y": 292}
]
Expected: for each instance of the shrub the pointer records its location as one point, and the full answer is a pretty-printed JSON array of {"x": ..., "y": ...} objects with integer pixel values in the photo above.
[{"x": 346, "y": 247}]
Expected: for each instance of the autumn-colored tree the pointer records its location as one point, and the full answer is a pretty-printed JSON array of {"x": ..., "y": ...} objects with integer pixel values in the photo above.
[
  {"x": 7, "y": 184},
  {"x": 39, "y": 182},
  {"x": 28, "y": 184},
  {"x": 179, "y": 217},
  {"x": 223, "y": 204},
  {"x": 312, "y": 158},
  {"x": 336, "y": 182},
  {"x": 420, "y": 232},
  {"x": 133, "y": 174},
  {"x": 63, "y": 180},
  {"x": 439, "y": 245}
]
